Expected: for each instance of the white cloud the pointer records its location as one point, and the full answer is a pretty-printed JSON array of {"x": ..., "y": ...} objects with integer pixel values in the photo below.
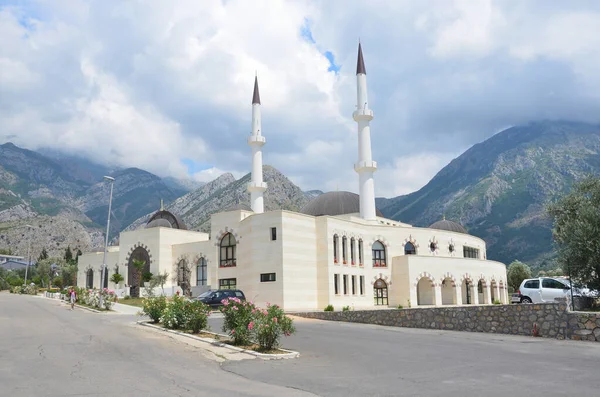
[{"x": 151, "y": 84}]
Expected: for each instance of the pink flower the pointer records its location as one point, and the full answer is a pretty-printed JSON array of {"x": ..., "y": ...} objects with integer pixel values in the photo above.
[
  {"x": 275, "y": 320},
  {"x": 233, "y": 331},
  {"x": 251, "y": 325}
]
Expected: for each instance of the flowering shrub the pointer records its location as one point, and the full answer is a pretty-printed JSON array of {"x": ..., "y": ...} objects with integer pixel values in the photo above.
[
  {"x": 108, "y": 297},
  {"x": 238, "y": 316},
  {"x": 196, "y": 314},
  {"x": 174, "y": 316},
  {"x": 154, "y": 307},
  {"x": 245, "y": 323},
  {"x": 269, "y": 325}
]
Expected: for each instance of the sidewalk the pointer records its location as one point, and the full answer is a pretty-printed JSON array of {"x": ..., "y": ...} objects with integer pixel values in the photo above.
[{"x": 125, "y": 309}]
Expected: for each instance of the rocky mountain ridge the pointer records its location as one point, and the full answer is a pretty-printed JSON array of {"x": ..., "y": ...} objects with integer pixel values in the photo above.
[{"x": 498, "y": 189}]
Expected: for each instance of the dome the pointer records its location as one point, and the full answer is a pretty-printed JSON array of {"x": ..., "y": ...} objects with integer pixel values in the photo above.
[
  {"x": 165, "y": 218},
  {"x": 159, "y": 223},
  {"x": 449, "y": 226},
  {"x": 238, "y": 206},
  {"x": 334, "y": 203}
]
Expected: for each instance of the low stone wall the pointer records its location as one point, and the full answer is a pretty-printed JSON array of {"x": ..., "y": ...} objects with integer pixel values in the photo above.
[{"x": 551, "y": 320}]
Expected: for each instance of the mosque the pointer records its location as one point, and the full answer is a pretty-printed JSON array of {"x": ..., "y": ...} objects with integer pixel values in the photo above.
[{"x": 338, "y": 250}]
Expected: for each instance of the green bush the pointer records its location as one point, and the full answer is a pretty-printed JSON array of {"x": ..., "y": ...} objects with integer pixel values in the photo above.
[
  {"x": 154, "y": 307},
  {"x": 497, "y": 302},
  {"x": 329, "y": 308},
  {"x": 346, "y": 308},
  {"x": 196, "y": 314},
  {"x": 400, "y": 307},
  {"x": 174, "y": 316},
  {"x": 238, "y": 316},
  {"x": 268, "y": 326}
]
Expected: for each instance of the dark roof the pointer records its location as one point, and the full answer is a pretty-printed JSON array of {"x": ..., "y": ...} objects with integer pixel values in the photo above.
[
  {"x": 449, "y": 226},
  {"x": 360, "y": 62},
  {"x": 12, "y": 265},
  {"x": 157, "y": 220},
  {"x": 334, "y": 203},
  {"x": 256, "y": 95},
  {"x": 239, "y": 206}
]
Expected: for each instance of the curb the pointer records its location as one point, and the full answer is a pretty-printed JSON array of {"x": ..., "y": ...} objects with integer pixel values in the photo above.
[{"x": 265, "y": 356}]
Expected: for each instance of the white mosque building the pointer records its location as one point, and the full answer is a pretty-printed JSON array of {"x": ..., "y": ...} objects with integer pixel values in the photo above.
[{"x": 338, "y": 250}]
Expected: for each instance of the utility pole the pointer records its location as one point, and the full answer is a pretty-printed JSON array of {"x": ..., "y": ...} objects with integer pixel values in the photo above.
[
  {"x": 102, "y": 271},
  {"x": 28, "y": 251}
]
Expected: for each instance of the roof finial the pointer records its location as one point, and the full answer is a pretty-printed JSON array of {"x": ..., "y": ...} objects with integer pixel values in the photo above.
[
  {"x": 162, "y": 205},
  {"x": 256, "y": 95},
  {"x": 360, "y": 63},
  {"x": 444, "y": 216}
]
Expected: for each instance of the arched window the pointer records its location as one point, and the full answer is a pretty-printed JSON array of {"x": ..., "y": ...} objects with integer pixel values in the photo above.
[
  {"x": 352, "y": 251},
  {"x": 201, "y": 271},
  {"x": 360, "y": 252},
  {"x": 227, "y": 251},
  {"x": 378, "y": 254},
  {"x": 409, "y": 249},
  {"x": 344, "y": 249},
  {"x": 105, "y": 277},
  {"x": 335, "y": 248},
  {"x": 89, "y": 282}
]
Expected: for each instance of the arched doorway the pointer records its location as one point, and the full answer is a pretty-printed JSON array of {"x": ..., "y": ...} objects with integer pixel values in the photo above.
[
  {"x": 493, "y": 291},
  {"x": 448, "y": 292},
  {"x": 133, "y": 275},
  {"x": 482, "y": 292},
  {"x": 89, "y": 280},
  {"x": 467, "y": 292},
  {"x": 425, "y": 294},
  {"x": 380, "y": 292}
]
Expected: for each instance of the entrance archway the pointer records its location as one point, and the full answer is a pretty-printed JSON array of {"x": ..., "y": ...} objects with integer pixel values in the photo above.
[
  {"x": 448, "y": 292},
  {"x": 493, "y": 291},
  {"x": 133, "y": 276},
  {"x": 380, "y": 292},
  {"x": 425, "y": 294},
  {"x": 482, "y": 292},
  {"x": 467, "y": 292}
]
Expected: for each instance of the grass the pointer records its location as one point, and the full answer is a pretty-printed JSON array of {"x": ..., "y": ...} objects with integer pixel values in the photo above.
[{"x": 137, "y": 302}]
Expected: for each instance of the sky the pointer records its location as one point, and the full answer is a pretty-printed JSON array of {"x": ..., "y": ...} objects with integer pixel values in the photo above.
[{"x": 166, "y": 86}]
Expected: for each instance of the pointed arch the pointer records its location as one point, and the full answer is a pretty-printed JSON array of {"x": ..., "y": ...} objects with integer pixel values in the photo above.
[{"x": 227, "y": 250}]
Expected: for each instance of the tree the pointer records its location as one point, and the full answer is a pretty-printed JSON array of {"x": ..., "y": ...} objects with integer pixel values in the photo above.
[
  {"x": 79, "y": 253},
  {"x": 5, "y": 251},
  {"x": 139, "y": 268},
  {"x": 68, "y": 254},
  {"x": 517, "y": 272},
  {"x": 183, "y": 272},
  {"x": 161, "y": 279},
  {"x": 43, "y": 255},
  {"x": 576, "y": 232},
  {"x": 116, "y": 278}
]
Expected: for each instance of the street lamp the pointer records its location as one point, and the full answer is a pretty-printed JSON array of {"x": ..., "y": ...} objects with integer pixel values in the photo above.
[
  {"x": 28, "y": 250},
  {"x": 112, "y": 181}
]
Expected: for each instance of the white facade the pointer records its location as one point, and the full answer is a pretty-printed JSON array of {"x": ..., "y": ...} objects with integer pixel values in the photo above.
[{"x": 341, "y": 253}]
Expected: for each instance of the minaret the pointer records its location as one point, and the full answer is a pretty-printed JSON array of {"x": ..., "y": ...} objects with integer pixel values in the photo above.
[
  {"x": 256, "y": 187},
  {"x": 365, "y": 165}
]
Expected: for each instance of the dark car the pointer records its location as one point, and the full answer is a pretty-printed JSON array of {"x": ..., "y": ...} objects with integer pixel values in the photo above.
[{"x": 213, "y": 298}]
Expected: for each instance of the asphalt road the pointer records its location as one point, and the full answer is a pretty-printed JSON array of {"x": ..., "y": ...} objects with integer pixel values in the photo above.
[
  {"x": 46, "y": 349},
  {"x": 343, "y": 359}
]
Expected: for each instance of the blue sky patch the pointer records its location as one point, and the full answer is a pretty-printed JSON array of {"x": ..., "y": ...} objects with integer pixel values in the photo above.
[
  {"x": 306, "y": 34},
  {"x": 193, "y": 167}
]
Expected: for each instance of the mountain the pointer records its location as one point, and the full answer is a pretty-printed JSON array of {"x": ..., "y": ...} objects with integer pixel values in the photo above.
[
  {"x": 183, "y": 185},
  {"x": 226, "y": 192},
  {"x": 66, "y": 197},
  {"x": 498, "y": 188}
]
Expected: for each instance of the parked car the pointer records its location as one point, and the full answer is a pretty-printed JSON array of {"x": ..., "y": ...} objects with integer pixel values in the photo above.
[
  {"x": 547, "y": 289},
  {"x": 214, "y": 298}
]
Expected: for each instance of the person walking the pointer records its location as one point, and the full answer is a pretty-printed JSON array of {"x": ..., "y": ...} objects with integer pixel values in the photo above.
[{"x": 73, "y": 297}]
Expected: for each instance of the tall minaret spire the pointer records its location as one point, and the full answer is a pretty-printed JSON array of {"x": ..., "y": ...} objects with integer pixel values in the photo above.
[
  {"x": 365, "y": 167},
  {"x": 256, "y": 187}
]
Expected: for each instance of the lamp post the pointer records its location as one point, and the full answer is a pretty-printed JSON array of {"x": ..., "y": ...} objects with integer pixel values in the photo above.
[
  {"x": 28, "y": 251},
  {"x": 102, "y": 271}
]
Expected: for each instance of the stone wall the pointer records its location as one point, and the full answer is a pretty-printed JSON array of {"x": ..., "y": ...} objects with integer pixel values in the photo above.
[{"x": 551, "y": 320}]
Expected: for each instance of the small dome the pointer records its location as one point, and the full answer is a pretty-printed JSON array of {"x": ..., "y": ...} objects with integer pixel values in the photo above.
[
  {"x": 165, "y": 218},
  {"x": 449, "y": 226},
  {"x": 238, "y": 206},
  {"x": 334, "y": 203},
  {"x": 159, "y": 223}
]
